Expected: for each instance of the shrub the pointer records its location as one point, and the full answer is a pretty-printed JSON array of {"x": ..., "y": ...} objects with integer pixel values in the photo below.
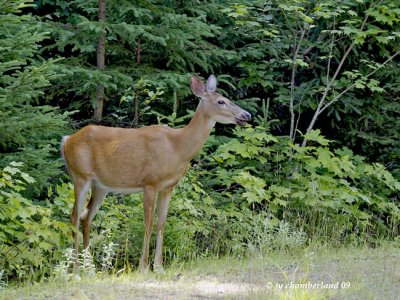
[
  {"x": 30, "y": 235},
  {"x": 311, "y": 187}
]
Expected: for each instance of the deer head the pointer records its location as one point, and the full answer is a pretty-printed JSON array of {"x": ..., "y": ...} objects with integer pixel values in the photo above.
[{"x": 217, "y": 107}]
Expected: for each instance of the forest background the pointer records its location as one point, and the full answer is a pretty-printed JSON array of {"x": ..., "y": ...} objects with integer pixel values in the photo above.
[{"x": 319, "y": 163}]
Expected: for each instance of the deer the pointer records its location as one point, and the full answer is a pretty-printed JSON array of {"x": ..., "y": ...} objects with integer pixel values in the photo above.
[{"x": 150, "y": 159}]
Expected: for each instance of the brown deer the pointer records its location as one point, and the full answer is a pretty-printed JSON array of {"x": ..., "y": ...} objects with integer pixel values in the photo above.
[{"x": 151, "y": 160}]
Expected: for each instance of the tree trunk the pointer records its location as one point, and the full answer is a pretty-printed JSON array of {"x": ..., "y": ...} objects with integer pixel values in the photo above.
[
  {"x": 136, "y": 99},
  {"x": 136, "y": 112},
  {"x": 101, "y": 55},
  {"x": 138, "y": 49}
]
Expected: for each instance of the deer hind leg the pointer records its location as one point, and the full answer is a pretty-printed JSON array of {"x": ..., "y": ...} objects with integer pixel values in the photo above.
[
  {"x": 149, "y": 197},
  {"x": 93, "y": 206},
  {"x": 81, "y": 187},
  {"x": 162, "y": 209}
]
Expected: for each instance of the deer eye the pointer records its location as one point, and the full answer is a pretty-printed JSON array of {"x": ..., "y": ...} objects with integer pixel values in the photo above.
[{"x": 221, "y": 102}]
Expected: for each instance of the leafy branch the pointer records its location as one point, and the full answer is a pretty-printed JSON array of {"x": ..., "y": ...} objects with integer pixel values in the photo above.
[{"x": 323, "y": 103}]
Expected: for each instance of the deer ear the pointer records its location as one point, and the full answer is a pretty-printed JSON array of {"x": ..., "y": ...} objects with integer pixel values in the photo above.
[
  {"x": 197, "y": 86},
  {"x": 211, "y": 85}
]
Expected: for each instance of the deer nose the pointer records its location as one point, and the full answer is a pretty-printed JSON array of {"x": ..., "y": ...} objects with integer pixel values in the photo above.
[{"x": 246, "y": 116}]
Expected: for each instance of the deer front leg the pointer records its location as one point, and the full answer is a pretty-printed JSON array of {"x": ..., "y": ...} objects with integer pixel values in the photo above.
[
  {"x": 149, "y": 196},
  {"x": 164, "y": 197}
]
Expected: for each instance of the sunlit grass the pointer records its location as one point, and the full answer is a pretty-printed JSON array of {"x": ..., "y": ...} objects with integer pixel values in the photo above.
[{"x": 313, "y": 273}]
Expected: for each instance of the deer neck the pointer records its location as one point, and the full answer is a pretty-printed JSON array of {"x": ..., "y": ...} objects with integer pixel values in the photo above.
[{"x": 195, "y": 134}]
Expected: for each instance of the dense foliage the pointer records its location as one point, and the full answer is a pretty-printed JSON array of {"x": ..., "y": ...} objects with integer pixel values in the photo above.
[
  {"x": 319, "y": 163},
  {"x": 29, "y": 129},
  {"x": 31, "y": 236}
]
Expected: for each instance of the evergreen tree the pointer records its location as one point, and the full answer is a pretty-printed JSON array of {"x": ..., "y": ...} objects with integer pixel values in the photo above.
[
  {"x": 160, "y": 42},
  {"x": 29, "y": 132}
]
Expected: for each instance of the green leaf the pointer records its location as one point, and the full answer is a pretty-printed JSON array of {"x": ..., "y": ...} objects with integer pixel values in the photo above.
[
  {"x": 11, "y": 170},
  {"x": 27, "y": 178},
  {"x": 315, "y": 135}
]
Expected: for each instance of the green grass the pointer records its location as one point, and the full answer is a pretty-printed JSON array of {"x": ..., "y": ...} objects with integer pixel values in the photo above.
[{"x": 352, "y": 273}]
